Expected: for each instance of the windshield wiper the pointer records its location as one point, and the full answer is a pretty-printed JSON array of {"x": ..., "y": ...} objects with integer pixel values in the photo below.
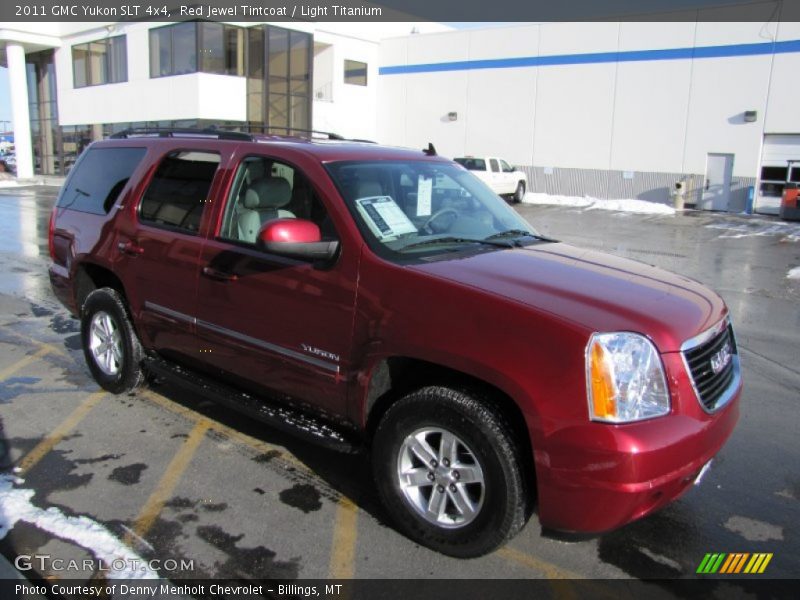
[
  {"x": 519, "y": 233},
  {"x": 457, "y": 240}
]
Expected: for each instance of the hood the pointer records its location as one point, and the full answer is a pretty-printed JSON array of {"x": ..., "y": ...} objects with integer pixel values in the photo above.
[{"x": 596, "y": 290}]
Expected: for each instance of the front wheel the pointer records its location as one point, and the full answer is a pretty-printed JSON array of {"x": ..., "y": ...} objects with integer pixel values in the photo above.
[
  {"x": 447, "y": 469},
  {"x": 519, "y": 194},
  {"x": 110, "y": 345}
]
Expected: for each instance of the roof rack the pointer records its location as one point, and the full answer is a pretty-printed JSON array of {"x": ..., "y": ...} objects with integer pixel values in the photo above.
[
  {"x": 270, "y": 130},
  {"x": 182, "y": 132},
  {"x": 223, "y": 134}
]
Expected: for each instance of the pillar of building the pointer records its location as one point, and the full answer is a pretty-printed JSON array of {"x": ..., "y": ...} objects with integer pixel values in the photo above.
[{"x": 18, "y": 82}]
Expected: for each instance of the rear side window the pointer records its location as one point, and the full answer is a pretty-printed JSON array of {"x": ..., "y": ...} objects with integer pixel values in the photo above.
[
  {"x": 472, "y": 164},
  {"x": 178, "y": 192},
  {"x": 494, "y": 165},
  {"x": 98, "y": 179}
]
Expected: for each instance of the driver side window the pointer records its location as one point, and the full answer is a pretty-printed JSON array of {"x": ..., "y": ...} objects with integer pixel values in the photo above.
[{"x": 264, "y": 190}]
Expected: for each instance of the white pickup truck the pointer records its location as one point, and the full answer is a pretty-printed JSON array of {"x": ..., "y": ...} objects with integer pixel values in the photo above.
[{"x": 502, "y": 178}]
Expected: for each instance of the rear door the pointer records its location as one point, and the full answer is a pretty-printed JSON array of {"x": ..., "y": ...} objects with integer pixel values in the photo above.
[
  {"x": 272, "y": 323},
  {"x": 159, "y": 250}
]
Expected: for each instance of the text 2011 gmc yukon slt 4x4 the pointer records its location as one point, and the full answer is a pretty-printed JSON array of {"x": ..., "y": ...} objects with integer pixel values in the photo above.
[{"x": 376, "y": 297}]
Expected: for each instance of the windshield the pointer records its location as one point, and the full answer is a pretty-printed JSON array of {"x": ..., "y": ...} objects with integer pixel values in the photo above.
[{"x": 408, "y": 209}]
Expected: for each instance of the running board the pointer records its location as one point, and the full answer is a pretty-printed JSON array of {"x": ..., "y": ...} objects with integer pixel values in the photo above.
[{"x": 290, "y": 420}]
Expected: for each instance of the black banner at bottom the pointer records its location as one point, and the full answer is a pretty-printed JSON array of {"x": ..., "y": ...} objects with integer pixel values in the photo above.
[{"x": 399, "y": 589}]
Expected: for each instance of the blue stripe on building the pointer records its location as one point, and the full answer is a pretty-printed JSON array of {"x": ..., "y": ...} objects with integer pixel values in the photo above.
[{"x": 599, "y": 58}]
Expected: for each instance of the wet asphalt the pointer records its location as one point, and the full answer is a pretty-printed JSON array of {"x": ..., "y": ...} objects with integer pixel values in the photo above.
[{"x": 254, "y": 503}]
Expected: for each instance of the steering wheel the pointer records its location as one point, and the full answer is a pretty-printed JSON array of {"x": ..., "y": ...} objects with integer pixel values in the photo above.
[{"x": 438, "y": 214}]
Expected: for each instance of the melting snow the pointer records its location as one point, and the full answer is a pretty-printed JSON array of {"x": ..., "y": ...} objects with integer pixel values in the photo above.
[
  {"x": 757, "y": 227},
  {"x": 631, "y": 205},
  {"x": 15, "y": 505},
  {"x": 794, "y": 273}
]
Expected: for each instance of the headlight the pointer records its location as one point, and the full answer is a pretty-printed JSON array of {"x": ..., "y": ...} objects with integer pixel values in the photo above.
[{"x": 624, "y": 378}]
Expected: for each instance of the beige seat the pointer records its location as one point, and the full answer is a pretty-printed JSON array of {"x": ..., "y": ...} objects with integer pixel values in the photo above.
[{"x": 263, "y": 201}]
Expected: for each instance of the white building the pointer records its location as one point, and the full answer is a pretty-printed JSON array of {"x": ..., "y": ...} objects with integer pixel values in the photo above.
[{"x": 610, "y": 109}]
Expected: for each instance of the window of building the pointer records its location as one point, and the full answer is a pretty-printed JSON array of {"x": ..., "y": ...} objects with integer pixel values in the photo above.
[
  {"x": 355, "y": 72},
  {"x": 221, "y": 49},
  {"x": 178, "y": 191},
  {"x": 191, "y": 47},
  {"x": 100, "y": 61},
  {"x": 173, "y": 50}
]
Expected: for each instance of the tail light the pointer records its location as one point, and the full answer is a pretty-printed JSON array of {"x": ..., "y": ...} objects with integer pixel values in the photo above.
[{"x": 51, "y": 234}]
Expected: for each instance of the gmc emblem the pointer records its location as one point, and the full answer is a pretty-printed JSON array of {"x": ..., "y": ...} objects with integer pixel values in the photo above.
[{"x": 721, "y": 359}]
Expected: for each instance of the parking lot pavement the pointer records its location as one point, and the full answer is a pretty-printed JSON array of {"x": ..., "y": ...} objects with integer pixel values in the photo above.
[{"x": 164, "y": 475}]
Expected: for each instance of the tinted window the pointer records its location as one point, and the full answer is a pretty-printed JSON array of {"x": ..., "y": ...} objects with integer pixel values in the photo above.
[
  {"x": 178, "y": 192},
  {"x": 493, "y": 164},
  {"x": 355, "y": 72},
  {"x": 97, "y": 181},
  {"x": 101, "y": 61},
  {"x": 473, "y": 164},
  {"x": 774, "y": 173},
  {"x": 173, "y": 50}
]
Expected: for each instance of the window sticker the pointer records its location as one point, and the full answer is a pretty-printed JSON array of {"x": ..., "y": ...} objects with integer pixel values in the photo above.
[
  {"x": 384, "y": 217},
  {"x": 424, "y": 192}
]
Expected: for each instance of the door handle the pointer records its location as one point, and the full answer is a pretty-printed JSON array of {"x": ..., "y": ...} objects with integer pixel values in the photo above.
[
  {"x": 219, "y": 275},
  {"x": 130, "y": 248}
]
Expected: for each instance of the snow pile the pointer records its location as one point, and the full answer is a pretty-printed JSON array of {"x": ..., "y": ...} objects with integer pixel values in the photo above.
[
  {"x": 630, "y": 205},
  {"x": 794, "y": 273},
  {"x": 9, "y": 183},
  {"x": 121, "y": 561}
]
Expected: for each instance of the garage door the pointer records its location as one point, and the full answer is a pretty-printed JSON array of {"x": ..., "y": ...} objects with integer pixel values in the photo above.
[{"x": 777, "y": 152}]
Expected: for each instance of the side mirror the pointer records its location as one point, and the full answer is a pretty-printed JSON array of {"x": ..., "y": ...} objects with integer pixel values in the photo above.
[{"x": 295, "y": 238}]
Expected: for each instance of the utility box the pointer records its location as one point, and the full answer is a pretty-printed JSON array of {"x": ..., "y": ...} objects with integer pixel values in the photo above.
[
  {"x": 679, "y": 195},
  {"x": 790, "y": 210}
]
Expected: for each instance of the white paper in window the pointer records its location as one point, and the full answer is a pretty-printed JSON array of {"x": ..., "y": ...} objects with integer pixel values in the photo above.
[
  {"x": 384, "y": 217},
  {"x": 424, "y": 192}
]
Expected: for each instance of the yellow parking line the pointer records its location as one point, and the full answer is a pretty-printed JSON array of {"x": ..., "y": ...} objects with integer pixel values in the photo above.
[
  {"x": 24, "y": 362},
  {"x": 343, "y": 547},
  {"x": 155, "y": 503},
  {"x": 59, "y": 433}
]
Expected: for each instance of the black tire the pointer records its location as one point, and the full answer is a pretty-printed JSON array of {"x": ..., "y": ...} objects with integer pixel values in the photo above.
[
  {"x": 486, "y": 437},
  {"x": 125, "y": 373},
  {"x": 520, "y": 193}
]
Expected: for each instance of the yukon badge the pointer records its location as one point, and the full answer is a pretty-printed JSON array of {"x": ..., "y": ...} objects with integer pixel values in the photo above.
[
  {"x": 721, "y": 359},
  {"x": 319, "y": 352}
]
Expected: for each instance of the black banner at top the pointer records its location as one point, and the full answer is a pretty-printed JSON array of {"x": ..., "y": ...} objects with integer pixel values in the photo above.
[{"x": 398, "y": 10}]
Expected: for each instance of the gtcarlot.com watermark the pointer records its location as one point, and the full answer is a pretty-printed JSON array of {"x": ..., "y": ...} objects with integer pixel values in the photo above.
[{"x": 45, "y": 562}]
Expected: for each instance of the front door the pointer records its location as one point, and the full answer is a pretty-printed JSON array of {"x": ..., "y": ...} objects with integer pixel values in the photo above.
[
  {"x": 272, "y": 323},
  {"x": 717, "y": 189}
]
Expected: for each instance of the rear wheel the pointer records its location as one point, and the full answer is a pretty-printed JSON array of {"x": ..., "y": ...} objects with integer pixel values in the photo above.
[
  {"x": 110, "y": 345},
  {"x": 519, "y": 195},
  {"x": 447, "y": 470}
]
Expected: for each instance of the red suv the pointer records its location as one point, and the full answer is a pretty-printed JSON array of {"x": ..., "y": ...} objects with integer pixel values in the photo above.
[{"x": 365, "y": 296}]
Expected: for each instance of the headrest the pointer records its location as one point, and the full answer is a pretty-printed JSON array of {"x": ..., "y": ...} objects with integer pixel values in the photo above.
[
  {"x": 269, "y": 192},
  {"x": 367, "y": 189}
]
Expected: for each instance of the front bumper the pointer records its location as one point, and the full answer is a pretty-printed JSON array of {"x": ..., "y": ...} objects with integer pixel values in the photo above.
[{"x": 594, "y": 477}]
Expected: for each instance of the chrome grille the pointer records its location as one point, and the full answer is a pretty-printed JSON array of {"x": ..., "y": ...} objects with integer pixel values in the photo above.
[{"x": 712, "y": 360}]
